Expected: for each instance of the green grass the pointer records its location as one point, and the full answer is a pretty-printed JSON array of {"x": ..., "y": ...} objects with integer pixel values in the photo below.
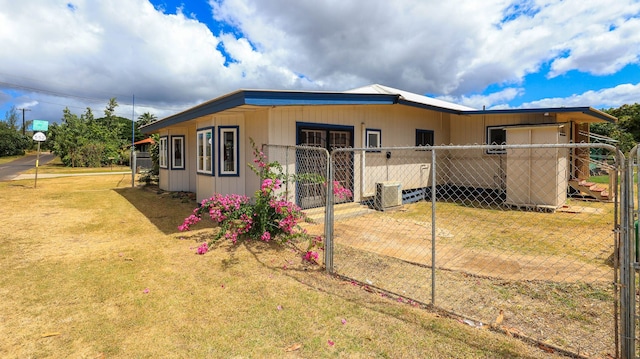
[{"x": 93, "y": 269}]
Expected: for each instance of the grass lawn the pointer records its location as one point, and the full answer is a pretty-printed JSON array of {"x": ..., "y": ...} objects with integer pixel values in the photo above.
[
  {"x": 55, "y": 166},
  {"x": 94, "y": 269}
]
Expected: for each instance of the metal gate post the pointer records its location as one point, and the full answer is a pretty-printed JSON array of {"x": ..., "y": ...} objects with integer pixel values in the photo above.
[
  {"x": 627, "y": 262},
  {"x": 433, "y": 226},
  {"x": 328, "y": 217}
]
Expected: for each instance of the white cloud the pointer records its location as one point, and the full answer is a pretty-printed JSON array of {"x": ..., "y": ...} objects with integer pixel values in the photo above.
[
  {"x": 101, "y": 49},
  {"x": 603, "y": 98},
  {"x": 449, "y": 48},
  {"x": 490, "y": 101}
]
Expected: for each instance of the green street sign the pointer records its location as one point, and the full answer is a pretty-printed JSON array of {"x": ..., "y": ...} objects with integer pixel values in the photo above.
[{"x": 39, "y": 125}]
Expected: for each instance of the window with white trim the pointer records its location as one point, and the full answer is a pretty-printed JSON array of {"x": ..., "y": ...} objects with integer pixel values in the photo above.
[
  {"x": 177, "y": 152},
  {"x": 496, "y": 136},
  {"x": 229, "y": 151},
  {"x": 373, "y": 138},
  {"x": 204, "y": 145},
  {"x": 162, "y": 152}
]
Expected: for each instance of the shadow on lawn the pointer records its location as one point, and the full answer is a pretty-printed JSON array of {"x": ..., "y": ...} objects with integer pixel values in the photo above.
[{"x": 165, "y": 210}]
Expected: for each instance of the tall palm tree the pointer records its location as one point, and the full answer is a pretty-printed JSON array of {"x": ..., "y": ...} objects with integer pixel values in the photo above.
[{"x": 146, "y": 118}]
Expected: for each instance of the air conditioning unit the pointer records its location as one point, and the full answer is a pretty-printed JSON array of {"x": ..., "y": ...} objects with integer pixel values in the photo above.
[{"x": 388, "y": 195}]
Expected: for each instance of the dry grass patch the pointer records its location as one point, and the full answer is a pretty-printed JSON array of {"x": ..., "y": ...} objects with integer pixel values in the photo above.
[
  {"x": 547, "y": 272},
  {"x": 92, "y": 268},
  {"x": 55, "y": 166}
]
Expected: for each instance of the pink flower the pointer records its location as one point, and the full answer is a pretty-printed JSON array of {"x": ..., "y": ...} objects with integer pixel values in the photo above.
[
  {"x": 344, "y": 321},
  {"x": 330, "y": 342},
  {"x": 311, "y": 256},
  {"x": 145, "y": 291},
  {"x": 266, "y": 236},
  {"x": 204, "y": 248}
]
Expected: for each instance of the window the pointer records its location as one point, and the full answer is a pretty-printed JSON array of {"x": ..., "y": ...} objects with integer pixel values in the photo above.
[
  {"x": 177, "y": 152},
  {"x": 373, "y": 138},
  {"x": 204, "y": 143},
  {"x": 228, "y": 142},
  {"x": 424, "y": 138},
  {"x": 312, "y": 138},
  {"x": 162, "y": 152},
  {"x": 496, "y": 136}
]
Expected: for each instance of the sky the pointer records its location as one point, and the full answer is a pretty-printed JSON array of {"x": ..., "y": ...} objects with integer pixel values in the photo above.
[{"x": 164, "y": 56}]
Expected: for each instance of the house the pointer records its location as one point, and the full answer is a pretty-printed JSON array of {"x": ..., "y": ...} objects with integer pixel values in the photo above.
[
  {"x": 205, "y": 149},
  {"x": 144, "y": 144}
]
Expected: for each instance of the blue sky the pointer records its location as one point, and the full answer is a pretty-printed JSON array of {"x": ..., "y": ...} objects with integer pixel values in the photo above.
[{"x": 166, "y": 55}]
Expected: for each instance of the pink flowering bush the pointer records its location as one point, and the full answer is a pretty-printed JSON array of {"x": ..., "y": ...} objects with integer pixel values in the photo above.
[
  {"x": 340, "y": 191},
  {"x": 268, "y": 217}
]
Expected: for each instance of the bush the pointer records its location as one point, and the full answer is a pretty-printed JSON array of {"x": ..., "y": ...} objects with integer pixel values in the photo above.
[{"x": 269, "y": 217}]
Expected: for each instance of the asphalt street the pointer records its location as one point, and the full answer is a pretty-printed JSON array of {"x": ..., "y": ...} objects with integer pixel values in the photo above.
[{"x": 12, "y": 169}]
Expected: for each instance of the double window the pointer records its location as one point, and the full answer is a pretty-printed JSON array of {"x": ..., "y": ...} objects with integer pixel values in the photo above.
[
  {"x": 204, "y": 143},
  {"x": 172, "y": 151}
]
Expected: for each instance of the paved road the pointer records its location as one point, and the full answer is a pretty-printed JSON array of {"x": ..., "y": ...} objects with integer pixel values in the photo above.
[{"x": 12, "y": 169}]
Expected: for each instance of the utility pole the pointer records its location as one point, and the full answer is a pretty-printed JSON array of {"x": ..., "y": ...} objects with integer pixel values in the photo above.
[{"x": 23, "y": 110}]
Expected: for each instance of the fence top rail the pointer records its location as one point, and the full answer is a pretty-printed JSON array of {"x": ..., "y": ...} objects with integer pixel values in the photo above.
[
  {"x": 482, "y": 147},
  {"x": 298, "y": 147}
]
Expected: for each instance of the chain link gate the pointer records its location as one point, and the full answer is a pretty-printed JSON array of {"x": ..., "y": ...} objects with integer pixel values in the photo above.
[
  {"x": 306, "y": 169},
  {"x": 519, "y": 238}
]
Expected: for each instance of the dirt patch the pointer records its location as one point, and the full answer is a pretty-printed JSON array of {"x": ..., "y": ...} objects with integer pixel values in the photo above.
[{"x": 410, "y": 241}]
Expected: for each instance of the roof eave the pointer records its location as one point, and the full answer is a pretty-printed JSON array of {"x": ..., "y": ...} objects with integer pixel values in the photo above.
[
  {"x": 590, "y": 111},
  {"x": 216, "y": 105},
  {"x": 268, "y": 98}
]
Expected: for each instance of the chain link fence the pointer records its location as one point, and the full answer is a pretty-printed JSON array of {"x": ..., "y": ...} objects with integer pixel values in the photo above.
[
  {"x": 517, "y": 238},
  {"x": 307, "y": 170}
]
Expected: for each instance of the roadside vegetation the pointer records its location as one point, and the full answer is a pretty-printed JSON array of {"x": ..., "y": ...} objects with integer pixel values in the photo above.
[{"x": 79, "y": 140}]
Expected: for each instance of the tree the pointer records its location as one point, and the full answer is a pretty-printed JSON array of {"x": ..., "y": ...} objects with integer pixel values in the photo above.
[
  {"x": 11, "y": 118},
  {"x": 86, "y": 141},
  {"x": 12, "y": 142},
  {"x": 626, "y": 131},
  {"x": 146, "y": 118}
]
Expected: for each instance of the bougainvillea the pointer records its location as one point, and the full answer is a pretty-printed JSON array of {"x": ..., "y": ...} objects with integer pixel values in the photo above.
[{"x": 268, "y": 217}]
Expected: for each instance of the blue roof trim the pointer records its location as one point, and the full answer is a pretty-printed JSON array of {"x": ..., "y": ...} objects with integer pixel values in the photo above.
[
  {"x": 586, "y": 110},
  {"x": 271, "y": 98},
  {"x": 210, "y": 107}
]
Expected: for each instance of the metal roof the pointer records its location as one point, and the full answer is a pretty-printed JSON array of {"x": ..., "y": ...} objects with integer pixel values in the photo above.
[
  {"x": 249, "y": 100},
  {"x": 410, "y": 97}
]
